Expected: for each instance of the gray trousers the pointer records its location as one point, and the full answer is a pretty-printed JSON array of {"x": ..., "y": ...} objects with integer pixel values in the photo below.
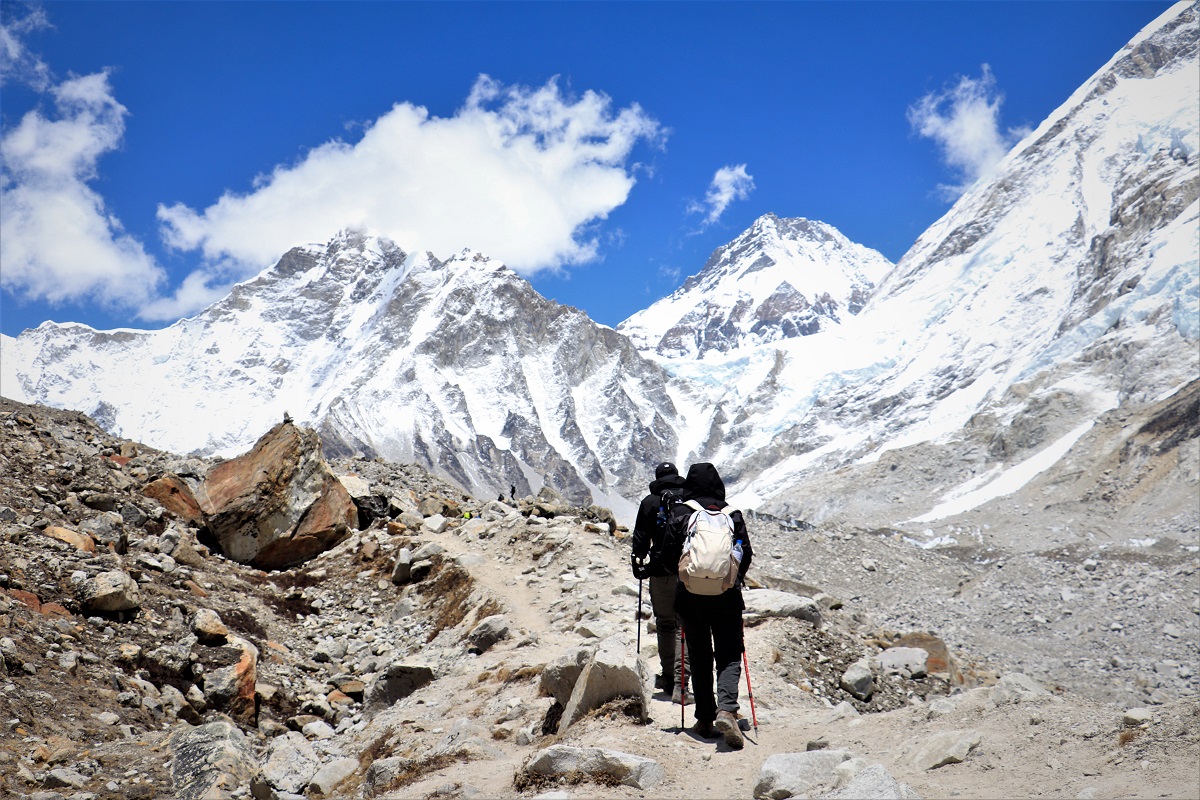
[{"x": 662, "y": 600}]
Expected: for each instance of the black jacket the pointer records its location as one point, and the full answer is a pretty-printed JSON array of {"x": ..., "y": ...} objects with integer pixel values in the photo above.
[
  {"x": 704, "y": 485},
  {"x": 647, "y": 535}
]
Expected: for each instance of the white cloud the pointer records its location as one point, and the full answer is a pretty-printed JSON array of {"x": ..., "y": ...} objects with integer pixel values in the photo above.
[
  {"x": 59, "y": 242},
  {"x": 728, "y": 184},
  {"x": 517, "y": 173},
  {"x": 964, "y": 121},
  {"x": 17, "y": 62}
]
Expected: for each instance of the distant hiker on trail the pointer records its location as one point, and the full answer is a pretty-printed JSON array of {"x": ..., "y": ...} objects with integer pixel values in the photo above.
[
  {"x": 649, "y": 532},
  {"x": 715, "y": 556}
]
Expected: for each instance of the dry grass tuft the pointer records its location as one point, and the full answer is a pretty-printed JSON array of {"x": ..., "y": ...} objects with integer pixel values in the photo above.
[{"x": 1128, "y": 735}]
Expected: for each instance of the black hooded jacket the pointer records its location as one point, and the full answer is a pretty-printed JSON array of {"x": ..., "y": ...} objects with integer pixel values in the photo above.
[
  {"x": 647, "y": 535},
  {"x": 704, "y": 485}
]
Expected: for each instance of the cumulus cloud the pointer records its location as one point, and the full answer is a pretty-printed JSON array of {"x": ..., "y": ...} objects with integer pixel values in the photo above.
[
  {"x": 728, "y": 184},
  {"x": 59, "y": 242},
  {"x": 964, "y": 121},
  {"x": 516, "y": 172}
]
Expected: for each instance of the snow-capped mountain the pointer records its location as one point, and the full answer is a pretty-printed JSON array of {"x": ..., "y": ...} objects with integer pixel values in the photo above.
[
  {"x": 781, "y": 278},
  {"x": 458, "y": 365},
  {"x": 1064, "y": 287}
]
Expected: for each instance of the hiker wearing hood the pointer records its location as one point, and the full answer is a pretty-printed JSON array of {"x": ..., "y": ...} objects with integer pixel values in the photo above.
[
  {"x": 647, "y": 559},
  {"x": 712, "y": 624}
]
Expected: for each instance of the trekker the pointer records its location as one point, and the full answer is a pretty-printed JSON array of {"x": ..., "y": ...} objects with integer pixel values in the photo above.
[
  {"x": 647, "y": 560},
  {"x": 712, "y": 624}
]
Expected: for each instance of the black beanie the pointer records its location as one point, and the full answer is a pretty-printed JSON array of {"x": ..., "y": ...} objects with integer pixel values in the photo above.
[{"x": 664, "y": 469}]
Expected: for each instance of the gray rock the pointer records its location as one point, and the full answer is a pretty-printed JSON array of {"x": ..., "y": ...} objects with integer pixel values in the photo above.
[
  {"x": 403, "y": 569},
  {"x": 607, "y": 675},
  {"x": 858, "y": 679},
  {"x": 559, "y": 676},
  {"x": 394, "y": 684},
  {"x": 1016, "y": 687},
  {"x": 64, "y": 779},
  {"x": 907, "y": 662},
  {"x": 1136, "y": 716},
  {"x": 210, "y": 761},
  {"x": 630, "y": 770},
  {"x": 329, "y": 649},
  {"x": 428, "y": 550},
  {"x": 786, "y": 775},
  {"x": 320, "y": 729},
  {"x": 947, "y": 747},
  {"x": 208, "y": 627},
  {"x": 435, "y": 524},
  {"x": 110, "y": 591},
  {"x": 291, "y": 762},
  {"x": 488, "y": 632},
  {"x": 874, "y": 783},
  {"x": 329, "y": 776},
  {"x": 765, "y": 603}
]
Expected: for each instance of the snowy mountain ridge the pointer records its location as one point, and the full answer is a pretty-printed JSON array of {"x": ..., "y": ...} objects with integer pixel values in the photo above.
[{"x": 779, "y": 279}]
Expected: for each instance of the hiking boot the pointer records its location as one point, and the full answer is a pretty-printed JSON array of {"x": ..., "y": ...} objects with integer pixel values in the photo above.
[
  {"x": 704, "y": 730},
  {"x": 663, "y": 683},
  {"x": 727, "y": 724},
  {"x": 677, "y": 697}
]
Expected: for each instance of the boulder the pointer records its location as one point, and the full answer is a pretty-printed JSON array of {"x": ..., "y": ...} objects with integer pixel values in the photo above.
[
  {"x": 231, "y": 688},
  {"x": 762, "y": 604},
  {"x": 947, "y": 747},
  {"x": 606, "y": 676},
  {"x": 208, "y": 627},
  {"x": 1017, "y": 687},
  {"x": 291, "y": 762},
  {"x": 394, "y": 684},
  {"x": 327, "y": 778},
  {"x": 487, "y": 633},
  {"x": 279, "y": 504},
  {"x": 435, "y": 524},
  {"x": 804, "y": 774},
  {"x": 110, "y": 591},
  {"x": 210, "y": 761},
  {"x": 559, "y": 676},
  {"x": 627, "y": 769},
  {"x": 174, "y": 494},
  {"x": 874, "y": 783},
  {"x": 402, "y": 571},
  {"x": 80, "y": 541},
  {"x": 939, "y": 661},
  {"x": 858, "y": 679},
  {"x": 907, "y": 662}
]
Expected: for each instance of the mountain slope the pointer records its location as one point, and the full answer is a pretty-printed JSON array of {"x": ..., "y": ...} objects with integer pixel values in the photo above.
[
  {"x": 457, "y": 365},
  {"x": 779, "y": 279},
  {"x": 1063, "y": 288}
]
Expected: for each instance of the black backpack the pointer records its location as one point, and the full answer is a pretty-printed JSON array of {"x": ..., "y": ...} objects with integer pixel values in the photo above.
[{"x": 670, "y": 529}]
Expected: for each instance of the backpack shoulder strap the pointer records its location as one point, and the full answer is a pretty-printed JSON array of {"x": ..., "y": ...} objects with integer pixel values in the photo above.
[{"x": 692, "y": 504}]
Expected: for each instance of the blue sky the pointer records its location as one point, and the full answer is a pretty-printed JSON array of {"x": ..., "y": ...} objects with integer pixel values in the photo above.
[{"x": 154, "y": 152}]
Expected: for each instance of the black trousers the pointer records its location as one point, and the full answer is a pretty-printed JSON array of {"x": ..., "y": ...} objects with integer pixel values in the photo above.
[{"x": 714, "y": 643}]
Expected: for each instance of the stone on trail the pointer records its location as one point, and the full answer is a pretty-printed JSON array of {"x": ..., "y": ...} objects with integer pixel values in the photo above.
[
  {"x": 907, "y": 662},
  {"x": 947, "y": 747},
  {"x": 1136, "y": 716},
  {"x": 110, "y": 591},
  {"x": 630, "y": 770},
  {"x": 394, "y": 684},
  {"x": 327, "y": 778},
  {"x": 211, "y": 761},
  {"x": 559, "y": 676},
  {"x": 435, "y": 524},
  {"x": 804, "y": 774},
  {"x": 279, "y": 504},
  {"x": 874, "y": 783},
  {"x": 488, "y": 632},
  {"x": 762, "y": 604},
  {"x": 291, "y": 762},
  {"x": 858, "y": 679},
  {"x": 1016, "y": 687},
  {"x": 606, "y": 676}
]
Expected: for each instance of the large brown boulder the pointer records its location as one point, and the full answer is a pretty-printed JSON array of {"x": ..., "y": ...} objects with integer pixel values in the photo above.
[{"x": 279, "y": 504}]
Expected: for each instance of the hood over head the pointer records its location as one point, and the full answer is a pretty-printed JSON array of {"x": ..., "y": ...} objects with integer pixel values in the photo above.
[{"x": 703, "y": 481}]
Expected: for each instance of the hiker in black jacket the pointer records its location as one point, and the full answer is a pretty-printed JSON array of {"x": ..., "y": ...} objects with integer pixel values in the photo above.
[
  {"x": 712, "y": 625},
  {"x": 648, "y": 563}
]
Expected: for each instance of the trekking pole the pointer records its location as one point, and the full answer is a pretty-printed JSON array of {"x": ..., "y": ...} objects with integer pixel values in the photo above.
[
  {"x": 637, "y": 620},
  {"x": 749, "y": 690},
  {"x": 682, "y": 677}
]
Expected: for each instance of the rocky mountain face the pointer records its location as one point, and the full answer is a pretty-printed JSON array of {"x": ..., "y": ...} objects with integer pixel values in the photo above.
[
  {"x": 456, "y": 365},
  {"x": 453, "y": 647},
  {"x": 1051, "y": 301},
  {"x": 780, "y": 279}
]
